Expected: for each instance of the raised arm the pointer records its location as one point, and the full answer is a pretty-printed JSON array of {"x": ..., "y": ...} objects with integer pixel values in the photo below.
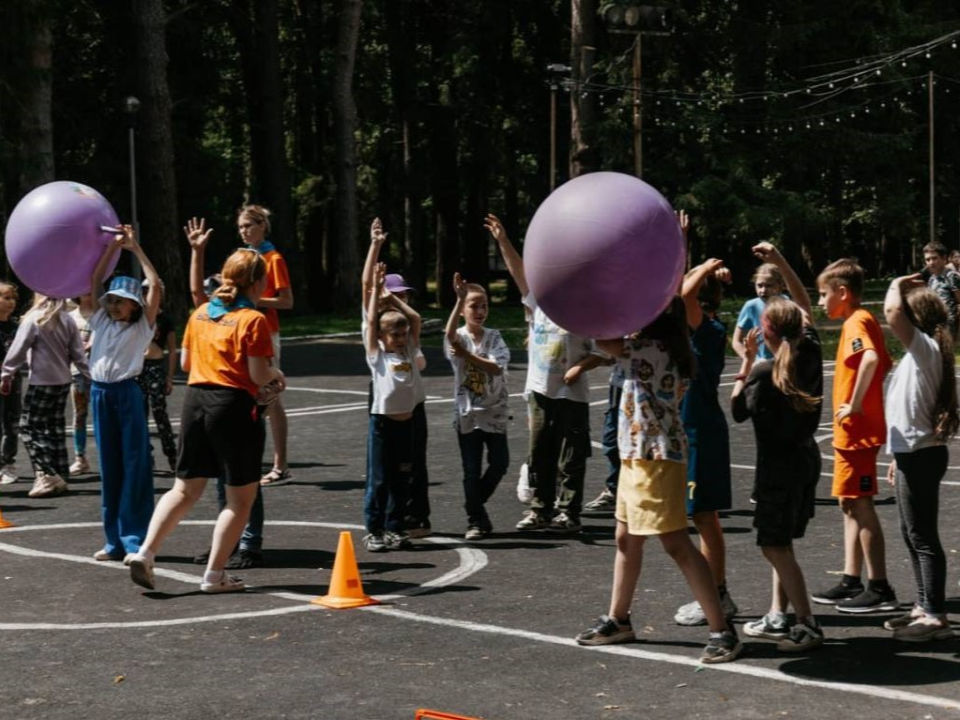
[
  {"x": 372, "y": 340},
  {"x": 377, "y": 239},
  {"x": 129, "y": 242},
  {"x": 691, "y": 286},
  {"x": 453, "y": 322},
  {"x": 509, "y": 253},
  {"x": 893, "y": 307},
  {"x": 100, "y": 271},
  {"x": 413, "y": 317},
  {"x": 766, "y": 252},
  {"x": 197, "y": 235}
]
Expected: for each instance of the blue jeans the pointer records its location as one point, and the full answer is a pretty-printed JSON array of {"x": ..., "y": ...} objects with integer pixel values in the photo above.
[
  {"x": 479, "y": 487},
  {"x": 611, "y": 449},
  {"x": 252, "y": 538},
  {"x": 418, "y": 502},
  {"x": 120, "y": 427},
  {"x": 390, "y": 451}
]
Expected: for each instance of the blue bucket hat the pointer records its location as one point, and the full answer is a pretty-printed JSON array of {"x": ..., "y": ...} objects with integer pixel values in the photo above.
[{"x": 125, "y": 287}]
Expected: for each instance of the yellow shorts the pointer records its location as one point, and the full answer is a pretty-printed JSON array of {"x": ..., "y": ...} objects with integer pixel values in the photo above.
[
  {"x": 652, "y": 496},
  {"x": 855, "y": 472}
]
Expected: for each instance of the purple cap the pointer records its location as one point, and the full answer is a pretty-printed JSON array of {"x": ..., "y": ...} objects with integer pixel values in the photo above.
[{"x": 395, "y": 283}]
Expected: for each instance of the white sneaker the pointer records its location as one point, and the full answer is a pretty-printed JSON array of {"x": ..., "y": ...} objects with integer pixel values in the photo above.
[
  {"x": 80, "y": 466},
  {"x": 524, "y": 491},
  {"x": 48, "y": 486},
  {"x": 227, "y": 583},
  {"x": 141, "y": 571},
  {"x": 8, "y": 474},
  {"x": 692, "y": 614}
]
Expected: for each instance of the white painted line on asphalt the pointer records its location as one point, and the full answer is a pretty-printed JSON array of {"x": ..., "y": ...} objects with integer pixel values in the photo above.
[
  {"x": 737, "y": 668},
  {"x": 471, "y": 561}
]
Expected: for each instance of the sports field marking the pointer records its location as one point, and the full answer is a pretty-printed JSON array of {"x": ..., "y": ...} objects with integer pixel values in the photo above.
[
  {"x": 737, "y": 668},
  {"x": 471, "y": 561}
]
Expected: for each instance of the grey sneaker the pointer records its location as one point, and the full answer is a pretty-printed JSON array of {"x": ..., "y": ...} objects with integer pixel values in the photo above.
[
  {"x": 607, "y": 631},
  {"x": 769, "y": 627},
  {"x": 565, "y": 522},
  {"x": 397, "y": 540},
  {"x": 374, "y": 543},
  {"x": 604, "y": 502},
  {"x": 532, "y": 520},
  {"x": 722, "y": 647},
  {"x": 692, "y": 614},
  {"x": 475, "y": 533},
  {"x": 802, "y": 637},
  {"x": 48, "y": 486}
]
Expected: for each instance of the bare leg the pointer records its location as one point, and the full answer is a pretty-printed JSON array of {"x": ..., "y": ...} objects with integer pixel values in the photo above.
[
  {"x": 697, "y": 573},
  {"x": 713, "y": 547},
  {"x": 626, "y": 571},
  {"x": 785, "y": 566},
  {"x": 778, "y": 596},
  {"x": 278, "y": 431},
  {"x": 863, "y": 516},
  {"x": 230, "y": 523},
  {"x": 852, "y": 550},
  {"x": 172, "y": 508}
]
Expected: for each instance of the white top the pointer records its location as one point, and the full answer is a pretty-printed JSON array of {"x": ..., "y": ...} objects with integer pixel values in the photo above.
[
  {"x": 118, "y": 347},
  {"x": 480, "y": 399},
  {"x": 912, "y": 396},
  {"x": 552, "y": 351},
  {"x": 397, "y": 387},
  {"x": 421, "y": 358}
]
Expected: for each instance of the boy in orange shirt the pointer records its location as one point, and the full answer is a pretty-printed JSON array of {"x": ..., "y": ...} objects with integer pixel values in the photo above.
[{"x": 859, "y": 429}]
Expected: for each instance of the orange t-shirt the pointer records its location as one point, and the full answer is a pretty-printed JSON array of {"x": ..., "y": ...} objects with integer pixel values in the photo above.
[
  {"x": 219, "y": 349},
  {"x": 278, "y": 278},
  {"x": 868, "y": 429}
]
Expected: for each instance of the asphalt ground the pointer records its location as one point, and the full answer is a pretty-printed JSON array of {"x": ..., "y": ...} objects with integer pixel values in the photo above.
[{"x": 485, "y": 630}]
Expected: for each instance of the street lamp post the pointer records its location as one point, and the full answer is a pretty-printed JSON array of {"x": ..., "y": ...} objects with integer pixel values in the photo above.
[
  {"x": 559, "y": 76},
  {"x": 130, "y": 106}
]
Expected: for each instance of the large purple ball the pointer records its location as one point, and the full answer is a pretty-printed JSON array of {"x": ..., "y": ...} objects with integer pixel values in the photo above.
[
  {"x": 53, "y": 238},
  {"x": 604, "y": 254}
]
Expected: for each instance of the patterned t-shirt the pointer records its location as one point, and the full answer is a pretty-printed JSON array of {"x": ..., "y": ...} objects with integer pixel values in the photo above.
[
  {"x": 946, "y": 286},
  {"x": 480, "y": 399}
]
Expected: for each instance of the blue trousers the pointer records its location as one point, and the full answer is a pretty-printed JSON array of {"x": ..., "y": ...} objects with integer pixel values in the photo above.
[
  {"x": 252, "y": 538},
  {"x": 120, "y": 428},
  {"x": 611, "y": 449},
  {"x": 478, "y": 485},
  {"x": 390, "y": 452}
]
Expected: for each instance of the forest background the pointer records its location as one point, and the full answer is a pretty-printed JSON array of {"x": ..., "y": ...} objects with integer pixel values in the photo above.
[{"x": 804, "y": 122}]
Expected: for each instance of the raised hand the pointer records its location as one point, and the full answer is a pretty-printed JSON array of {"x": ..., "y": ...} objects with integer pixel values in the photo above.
[
  {"x": 492, "y": 225},
  {"x": 197, "y": 232},
  {"x": 459, "y": 286},
  {"x": 684, "y": 221},
  {"x": 377, "y": 235},
  {"x": 767, "y": 252},
  {"x": 126, "y": 238}
]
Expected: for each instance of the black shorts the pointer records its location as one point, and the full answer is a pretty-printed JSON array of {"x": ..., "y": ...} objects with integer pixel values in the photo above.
[
  {"x": 786, "y": 497},
  {"x": 221, "y": 435}
]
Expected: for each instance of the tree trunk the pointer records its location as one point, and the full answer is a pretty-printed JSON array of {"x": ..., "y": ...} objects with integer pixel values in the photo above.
[
  {"x": 583, "y": 106},
  {"x": 347, "y": 281},
  {"x": 37, "y": 165},
  {"x": 159, "y": 231}
]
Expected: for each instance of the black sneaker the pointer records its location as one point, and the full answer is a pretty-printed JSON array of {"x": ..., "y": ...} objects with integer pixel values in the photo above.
[
  {"x": 840, "y": 591},
  {"x": 244, "y": 558},
  {"x": 607, "y": 631},
  {"x": 802, "y": 637},
  {"x": 871, "y": 600}
]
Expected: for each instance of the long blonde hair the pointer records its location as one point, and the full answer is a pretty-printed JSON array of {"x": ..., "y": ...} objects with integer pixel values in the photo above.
[
  {"x": 46, "y": 309},
  {"x": 240, "y": 271},
  {"x": 784, "y": 319}
]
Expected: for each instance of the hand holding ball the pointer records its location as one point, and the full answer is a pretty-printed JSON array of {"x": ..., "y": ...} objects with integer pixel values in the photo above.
[
  {"x": 56, "y": 235},
  {"x": 604, "y": 255}
]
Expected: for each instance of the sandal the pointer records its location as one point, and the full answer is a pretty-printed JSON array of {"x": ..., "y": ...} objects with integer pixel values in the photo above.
[{"x": 276, "y": 477}]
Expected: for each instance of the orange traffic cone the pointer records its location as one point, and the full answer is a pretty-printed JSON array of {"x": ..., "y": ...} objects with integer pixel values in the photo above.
[
  {"x": 345, "y": 589},
  {"x": 425, "y": 714},
  {"x": 4, "y": 523}
]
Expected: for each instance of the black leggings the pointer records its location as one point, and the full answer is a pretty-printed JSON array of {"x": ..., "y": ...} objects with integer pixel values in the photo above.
[{"x": 918, "y": 498}]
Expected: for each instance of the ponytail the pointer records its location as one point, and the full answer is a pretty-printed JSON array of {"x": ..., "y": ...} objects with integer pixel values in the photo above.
[
  {"x": 784, "y": 319},
  {"x": 928, "y": 313}
]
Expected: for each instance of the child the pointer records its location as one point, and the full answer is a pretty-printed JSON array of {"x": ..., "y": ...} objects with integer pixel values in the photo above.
[
  {"x": 249, "y": 551},
  {"x": 921, "y": 418},
  {"x": 156, "y": 380},
  {"x": 253, "y": 224},
  {"x": 52, "y": 341},
  {"x": 9, "y": 404},
  {"x": 557, "y": 394},
  {"x": 226, "y": 351},
  {"x": 391, "y": 342},
  {"x": 417, "y": 520},
  {"x": 858, "y": 432},
  {"x": 80, "y": 390},
  {"x": 606, "y": 501},
  {"x": 122, "y": 328},
  {"x": 479, "y": 357},
  {"x": 708, "y": 466},
  {"x": 783, "y": 398},
  {"x": 942, "y": 280},
  {"x": 658, "y": 362},
  {"x": 768, "y": 283}
]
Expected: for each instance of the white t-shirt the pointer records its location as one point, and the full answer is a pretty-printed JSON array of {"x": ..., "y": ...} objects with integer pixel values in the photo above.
[
  {"x": 397, "y": 387},
  {"x": 421, "y": 358},
  {"x": 912, "y": 396},
  {"x": 552, "y": 351},
  {"x": 118, "y": 347},
  {"x": 480, "y": 399}
]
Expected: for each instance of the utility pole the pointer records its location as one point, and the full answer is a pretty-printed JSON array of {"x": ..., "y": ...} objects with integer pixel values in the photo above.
[
  {"x": 637, "y": 108},
  {"x": 559, "y": 75},
  {"x": 933, "y": 222}
]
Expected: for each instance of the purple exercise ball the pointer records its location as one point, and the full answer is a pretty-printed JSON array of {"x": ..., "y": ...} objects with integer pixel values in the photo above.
[
  {"x": 54, "y": 238},
  {"x": 604, "y": 255}
]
